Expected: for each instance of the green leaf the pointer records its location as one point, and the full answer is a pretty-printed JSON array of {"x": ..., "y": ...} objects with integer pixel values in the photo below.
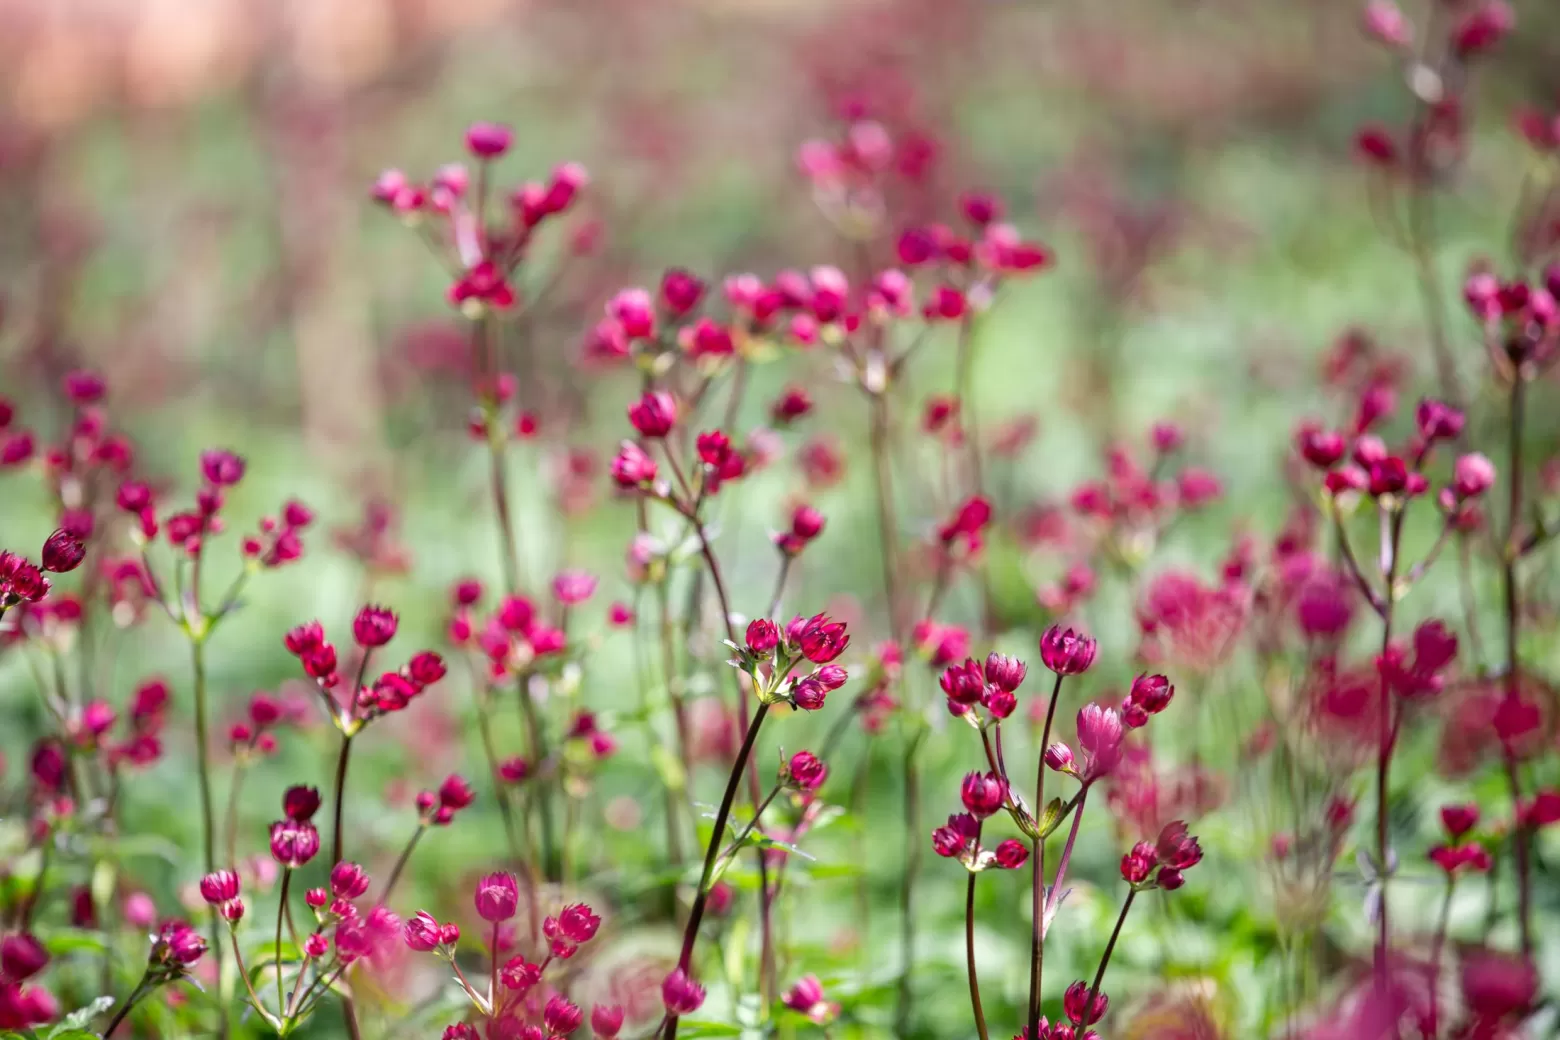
[
  {"x": 691, "y": 1028},
  {"x": 77, "y": 1021},
  {"x": 61, "y": 941}
]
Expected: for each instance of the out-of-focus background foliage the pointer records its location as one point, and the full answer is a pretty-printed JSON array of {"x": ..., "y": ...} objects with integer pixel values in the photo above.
[{"x": 184, "y": 207}]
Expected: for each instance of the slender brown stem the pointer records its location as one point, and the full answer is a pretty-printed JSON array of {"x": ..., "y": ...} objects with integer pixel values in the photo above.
[
  {"x": 281, "y": 907},
  {"x": 203, "y": 772},
  {"x": 969, "y": 956},
  {"x": 712, "y": 853},
  {"x": 1509, "y": 555},
  {"x": 1437, "y": 944},
  {"x": 1055, "y": 898},
  {"x": 1110, "y": 947},
  {"x": 341, "y": 797},
  {"x": 1037, "y": 881},
  {"x": 400, "y": 863},
  {"x": 128, "y": 1006},
  {"x": 1392, "y": 528}
]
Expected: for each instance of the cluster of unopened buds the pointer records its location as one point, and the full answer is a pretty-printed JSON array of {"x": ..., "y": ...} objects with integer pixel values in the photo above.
[
  {"x": 393, "y": 691},
  {"x": 770, "y": 655},
  {"x": 22, "y": 581}
]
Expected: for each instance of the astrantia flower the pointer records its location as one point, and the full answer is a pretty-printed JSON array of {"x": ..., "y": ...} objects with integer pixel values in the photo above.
[
  {"x": 957, "y": 836},
  {"x": 497, "y": 896},
  {"x": 806, "y": 771},
  {"x": 1066, "y": 651},
  {"x": 983, "y": 794},
  {"x": 62, "y": 551},
  {"x": 219, "y": 886},
  {"x": 807, "y": 996},
  {"x": 1099, "y": 735},
  {"x": 177, "y": 946},
  {"x": 1080, "y": 1010},
  {"x": 300, "y": 802},
  {"x": 22, "y": 957},
  {"x": 654, "y": 414},
  {"x": 680, "y": 994},
  {"x": 822, "y": 639},
  {"x": 294, "y": 842},
  {"x": 421, "y": 932},
  {"x": 1011, "y": 854},
  {"x": 374, "y": 626},
  {"x": 348, "y": 880}
]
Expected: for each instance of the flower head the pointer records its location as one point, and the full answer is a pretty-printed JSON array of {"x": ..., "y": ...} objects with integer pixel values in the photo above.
[
  {"x": 497, "y": 897},
  {"x": 1099, "y": 735},
  {"x": 681, "y": 994},
  {"x": 374, "y": 626},
  {"x": 822, "y": 639},
  {"x": 294, "y": 842},
  {"x": 1066, "y": 651},
  {"x": 806, "y": 771},
  {"x": 62, "y": 551}
]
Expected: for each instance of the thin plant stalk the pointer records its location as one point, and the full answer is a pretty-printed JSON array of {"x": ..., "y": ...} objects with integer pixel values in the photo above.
[
  {"x": 1511, "y": 594},
  {"x": 969, "y": 953},
  {"x": 1110, "y": 947},
  {"x": 712, "y": 853},
  {"x": 1037, "y": 882}
]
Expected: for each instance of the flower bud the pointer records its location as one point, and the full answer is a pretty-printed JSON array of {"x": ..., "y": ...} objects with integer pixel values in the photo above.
[
  {"x": 374, "y": 626},
  {"x": 983, "y": 794},
  {"x": 1473, "y": 475},
  {"x": 762, "y": 636},
  {"x": 1059, "y": 757},
  {"x": 806, "y": 771},
  {"x": 1011, "y": 854},
  {"x": 654, "y": 415},
  {"x": 497, "y": 897},
  {"x": 606, "y": 1020},
  {"x": 1005, "y": 672},
  {"x": 1066, "y": 651},
  {"x": 62, "y": 551},
  {"x": 681, "y": 994}
]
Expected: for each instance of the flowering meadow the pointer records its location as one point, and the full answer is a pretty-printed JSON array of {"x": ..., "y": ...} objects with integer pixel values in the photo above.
[{"x": 949, "y": 614}]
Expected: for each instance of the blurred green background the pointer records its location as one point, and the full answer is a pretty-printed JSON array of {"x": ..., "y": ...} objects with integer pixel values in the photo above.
[{"x": 184, "y": 197}]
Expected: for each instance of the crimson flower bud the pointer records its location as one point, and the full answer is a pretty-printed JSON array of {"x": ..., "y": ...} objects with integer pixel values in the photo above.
[
  {"x": 680, "y": 291},
  {"x": 1387, "y": 477},
  {"x": 320, "y": 662},
  {"x": 1438, "y": 421},
  {"x": 1321, "y": 448},
  {"x": 348, "y": 880},
  {"x": 1133, "y": 715},
  {"x": 1152, "y": 692},
  {"x": 232, "y": 911},
  {"x": 1059, "y": 757},
  {"x": 294, "y": 842},
  {"x": 654, "y": 414},
  {"x": 808, "y": 694},
  {"x": 177, "y": 944},
  {"x": 316, "y": 946},
  {"x": 456, "y": 792},
  {"x": 762, "y": 636},
  {"x": 561, "y": 1017},
  {"x": 1076, "y": 1003},
  {"x": 956, "y": 836},
  {"x": 221, "y": 468},
  {"x": 1473, "y": 475},
  {"x": 806, "y": 771},
  {"x": 374, "y": 626},
  {"x": 219, "y": 886},
  {"x": 1011, "y": 854},
  {"x": 1176, "y": 848},
  {"x": 821, "y": 639},
  {"x": 1459, "y": 819},
  {"x": 22, "y": 957},
  {"x": 316, "y": 898},
  {"x": 1066, "y": 651},
  {"x": 62, "y": 551},
  {"x": 632, "y": 466},
  {"x": 1136, "y": 865},
  {"x": 606, "y": 1020},
  {"x": 1170, "y": 879},
  {"x": 488, "y": 140},
  {"x": 983, "y": 794},
  {"x": 831, "y": 676},
  {"x": 426, "y": 668},
  {"x": 1482, "y": 28},
  {"x": 1346, "y": 478},
  {"x": 1005, "y": 672},
  {"x": 497, "y": 897},
  {"x": 421, "y": 932},
  {"x": 807, "y": 523},
  {"x": 632, "y": 310},
  {"x": 793, "y": 403},
  {"x": 680, "y": 994},
  {"x": 963, "y": 683},
  {"x": 999, "y": 702},
  {"x": 300, "y": 803},
  {"x": 578, "y": 922}
]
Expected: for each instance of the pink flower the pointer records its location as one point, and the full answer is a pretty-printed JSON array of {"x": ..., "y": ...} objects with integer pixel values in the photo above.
[
  {"x": 348, "y": 880},
  {"x": 300, "y": 803},
  {"x": 422, "y": 932},
  {"x": 681, "y": 994},
  {"x": 1137, "y": 864},
  {"x": 1011, "y": 854},
  {"x": 218, "y": 887},
  {"x": 294, "y": 842},
  {"x": 1066, "y": 651},
  {"x": 806, "y": 771},
  {"x": 806, "y": 995},
  {"x": 633, "y": 311},
  {"x": 762, "y": 636},
  {"x": 22, "y": 957},
  {"x": 983, "y": 794},
  {"x": 488, "y": 140},
  {"x": 1099, "y": 735},
  {"x": 606, "y": 1020},
  {"x": 561, "y": 1017},
  {"x": 497, "y": 897},
  {"x": 957, "y": 836},
  {"x": 374, "y": 626},
  {"x": 1080, "y": 1010},
  {"x": 654, "y": 414},
  {"x": 62, "y": 551},
  {"x": 1473, "y": 475},
  {"x": 822, "y": 639},
  {"x": 572, "y": 588}
]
